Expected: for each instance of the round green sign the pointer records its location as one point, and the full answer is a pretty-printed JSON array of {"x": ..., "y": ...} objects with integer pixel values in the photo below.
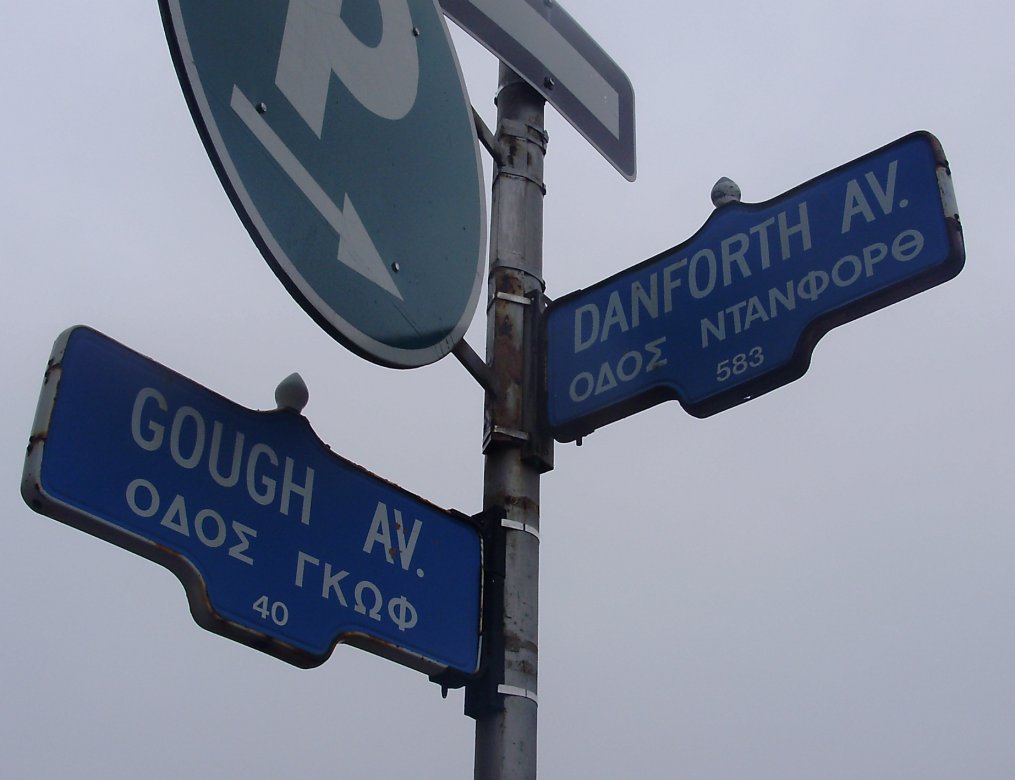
[{"x": 344, "y": 137}]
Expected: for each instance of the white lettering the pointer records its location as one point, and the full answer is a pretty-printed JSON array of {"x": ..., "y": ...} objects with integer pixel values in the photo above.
[
  {"x": 268, "y": 495},
  {"x": 176, "y": 517},
  {"x": 762, "y": 232},
  {"x": 846, "y": 271},
  {"x": 716, "y": 329},
  {"x": 907, "y": 245},
  {"x": 628, "y": 375},
  {"x": 156, "y": 431},
  {"x": 607, "y": 381},
  {"x": 153, "y": 498},
  {"x": 648, "y": 300},
  {"x": 301, "y": 560},
  {"x": 755, "y": 311},
  {"x": 583, "y": 343},
  {"x": 670, "y": 283},
  {"x": 182, "y": 414},
  {"x": 377, "y": 600},
  {"x": 304, "y": 491},
  {"x": 213, "y": 457},
  {"x": 657, "y": 354},
  {"x": 630, "y": 365},
  {"x": 406, "y": 547},
  {"x": 856, "y": 271},
  {"x": 590, "y": 384},
  {"x": 220, "y": 528},
  {"x": 209, "y": 526},
  {"x": 380, "y": 531},
  {"x": 244, "y": 534},
  {"x": 224, "y": 454},
  {"x": 366, "y": 596},
  {"x": 872, "y": 255},
  {"x": 856, "y": 203},
  {"x": 730, "y": 256},
  {"x": 803, "y": 227},
  {"x": 331, "y": 584},
  {"x": 885, "y": 195},
  {"x": 697, "y": 291},
  {"x": 775, "y": 297},
  {"x": 614, "y": 315},
  {"x": 384, "y": 77}
]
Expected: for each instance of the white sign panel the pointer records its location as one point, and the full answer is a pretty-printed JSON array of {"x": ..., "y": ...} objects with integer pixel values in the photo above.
[{"x": 546, "y": 47}]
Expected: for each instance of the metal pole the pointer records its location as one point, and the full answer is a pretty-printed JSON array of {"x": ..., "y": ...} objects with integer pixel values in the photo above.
[{"x": 516, "y": 451}]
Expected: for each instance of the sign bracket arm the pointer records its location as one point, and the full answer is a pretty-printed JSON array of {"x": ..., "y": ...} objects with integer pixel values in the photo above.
[
  {"x": 488, "y": 139},
  {"x": 475, "y": 365}
]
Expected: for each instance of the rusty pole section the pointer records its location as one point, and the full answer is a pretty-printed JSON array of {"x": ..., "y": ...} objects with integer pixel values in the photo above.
[{"x": 516, "y": 451}]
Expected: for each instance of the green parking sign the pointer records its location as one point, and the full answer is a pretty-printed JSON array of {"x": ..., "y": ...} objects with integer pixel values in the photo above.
[{"x": 344, "y": 137}]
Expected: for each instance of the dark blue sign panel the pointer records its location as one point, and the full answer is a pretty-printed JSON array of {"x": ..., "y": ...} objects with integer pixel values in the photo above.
[
  {"x": 280, "y": 543},
  {"x": 735, "y": 311},
  {"x": 344, "y": 137}
]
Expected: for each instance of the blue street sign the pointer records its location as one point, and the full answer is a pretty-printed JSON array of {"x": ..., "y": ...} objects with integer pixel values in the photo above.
[
  {"x": 280, "y": 544},
  {"x": 736, "y": 310},
  {"x": 344, "y": 137}
]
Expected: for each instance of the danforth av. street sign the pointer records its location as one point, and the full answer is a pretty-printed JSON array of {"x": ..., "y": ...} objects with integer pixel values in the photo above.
[{"x": 736, "y": 310}]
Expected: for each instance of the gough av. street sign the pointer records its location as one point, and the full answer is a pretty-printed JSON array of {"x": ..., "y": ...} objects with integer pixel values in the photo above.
[{"x": 280, "y": 543}]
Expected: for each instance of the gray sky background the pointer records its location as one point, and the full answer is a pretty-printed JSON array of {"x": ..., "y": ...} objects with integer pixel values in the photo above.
[{"x": 816, "y": 584}]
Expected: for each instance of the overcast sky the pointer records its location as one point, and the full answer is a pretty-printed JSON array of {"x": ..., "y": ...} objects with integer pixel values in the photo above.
[{"x": 816, "y": 584}]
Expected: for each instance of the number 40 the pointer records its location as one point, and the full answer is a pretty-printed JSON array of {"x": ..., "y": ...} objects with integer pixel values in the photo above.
[{"x": 278, "y": 611}]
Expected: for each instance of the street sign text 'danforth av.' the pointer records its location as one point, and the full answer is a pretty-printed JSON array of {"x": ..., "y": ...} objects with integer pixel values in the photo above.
[
  {"x": 343, "y": 135},
  {"x": 280, "y": 543},
  {"x": 736, "y": 310}
]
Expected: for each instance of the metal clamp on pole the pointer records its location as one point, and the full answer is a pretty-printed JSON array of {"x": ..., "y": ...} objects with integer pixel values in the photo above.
[
  {"x": 538, "y": 449},
  {"x": 486, "y": 691},
  {"x": 481, "y": 687},
  {"x": 528, "y": 430},
  {"x": 510, "y": 165},
  {"x": 482, "y": 690}
]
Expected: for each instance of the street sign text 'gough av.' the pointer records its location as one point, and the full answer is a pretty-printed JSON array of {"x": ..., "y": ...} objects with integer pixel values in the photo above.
[
  {"x": 736, "y": 310},
  {"x": 280, "y": 543}
]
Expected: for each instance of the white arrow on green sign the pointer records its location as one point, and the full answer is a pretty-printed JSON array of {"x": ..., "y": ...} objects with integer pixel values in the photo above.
[{"x": 343, "y": 135}]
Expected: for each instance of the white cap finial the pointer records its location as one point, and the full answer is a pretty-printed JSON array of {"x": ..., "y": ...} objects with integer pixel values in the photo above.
[
  {"x": 725, "y": 192},
  {"x": 292, "y": 393}
]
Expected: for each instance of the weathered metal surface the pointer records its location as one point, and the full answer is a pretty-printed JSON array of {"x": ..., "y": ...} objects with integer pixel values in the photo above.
[{"x": 504, "y": 699}]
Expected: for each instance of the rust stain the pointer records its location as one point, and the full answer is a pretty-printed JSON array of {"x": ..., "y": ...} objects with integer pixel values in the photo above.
[
  {"x": 36, "y": 439},
  {"x": 523, "y": 503}
]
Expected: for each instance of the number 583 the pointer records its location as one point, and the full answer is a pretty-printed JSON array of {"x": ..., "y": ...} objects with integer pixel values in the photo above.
[{"x": 738, "y": 364}]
